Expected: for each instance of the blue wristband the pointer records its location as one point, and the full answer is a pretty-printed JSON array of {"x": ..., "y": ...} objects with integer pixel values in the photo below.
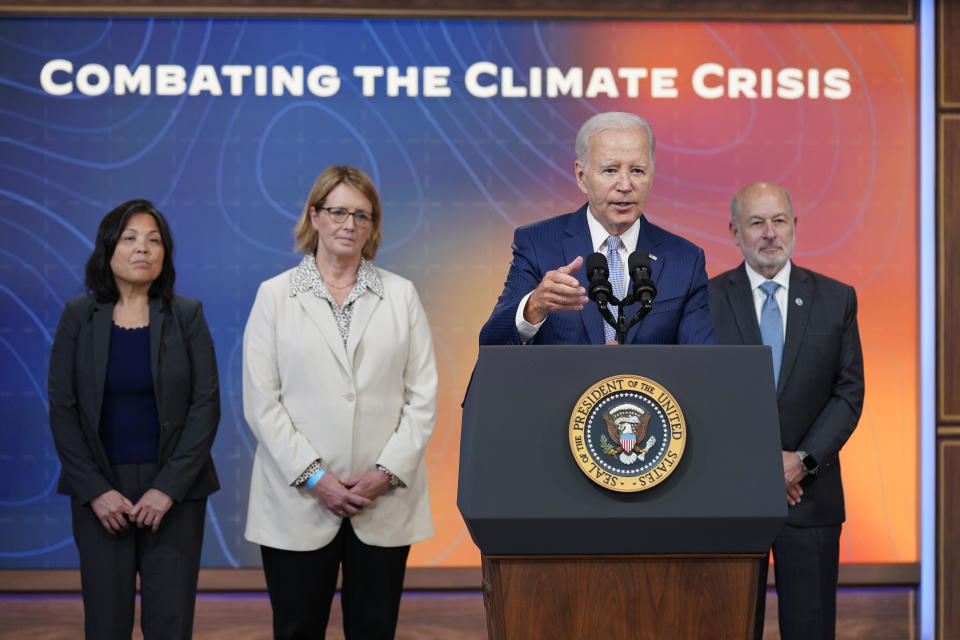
[{"x": 315, "y": 478}]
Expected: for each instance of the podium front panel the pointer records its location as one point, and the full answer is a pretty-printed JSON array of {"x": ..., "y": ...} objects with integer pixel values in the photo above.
[{"x": 521, "y": 492}]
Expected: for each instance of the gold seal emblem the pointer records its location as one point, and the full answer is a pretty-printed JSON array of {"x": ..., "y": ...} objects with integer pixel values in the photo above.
[{"x": 627, "y": 433}]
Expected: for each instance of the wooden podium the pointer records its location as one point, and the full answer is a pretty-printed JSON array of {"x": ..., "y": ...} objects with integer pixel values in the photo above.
[{"x": 564, "y": 558}]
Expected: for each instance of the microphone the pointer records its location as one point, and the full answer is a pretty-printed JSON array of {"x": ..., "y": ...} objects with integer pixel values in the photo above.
[
  {"x": 599, "y": 276},
  {"x": 638, "y": 266}
]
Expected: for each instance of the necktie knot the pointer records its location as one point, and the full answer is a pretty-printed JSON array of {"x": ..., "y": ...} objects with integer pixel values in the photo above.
[{"x": 770, "y": 287}]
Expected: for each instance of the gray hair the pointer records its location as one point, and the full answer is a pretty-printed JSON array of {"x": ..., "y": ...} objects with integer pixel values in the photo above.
[
  {"x": 616, "y": 120},
  {"x": 735, "y": 200}
]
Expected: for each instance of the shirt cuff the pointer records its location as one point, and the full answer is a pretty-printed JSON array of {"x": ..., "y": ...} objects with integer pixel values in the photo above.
[
  {"x": 526, "y": 330},
  {"x": 395, "y": 480},
  {"x": 301, "y": 480}
]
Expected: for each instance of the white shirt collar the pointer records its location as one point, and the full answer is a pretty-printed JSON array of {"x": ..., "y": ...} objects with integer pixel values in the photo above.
[
  {"x": 782, "y": 278},
  {"x": 599, "y": 235}
]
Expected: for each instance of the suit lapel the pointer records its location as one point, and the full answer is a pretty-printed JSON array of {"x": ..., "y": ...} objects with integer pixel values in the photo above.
[
  {"x": 363, "y": 309},
  {"x": 157, "y": 317},
  {"x": 740, "y": 297},
  {"x": 319, "y": 312},
  {"x": 649, "y": 244},
  {"x": 797, "y": 315},
  {"x": 577, "y": 242},
  {"x": 101, "y": 325}
]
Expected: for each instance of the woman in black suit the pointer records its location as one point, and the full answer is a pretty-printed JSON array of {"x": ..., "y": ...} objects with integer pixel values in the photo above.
[{"x": 134, "y": 407}]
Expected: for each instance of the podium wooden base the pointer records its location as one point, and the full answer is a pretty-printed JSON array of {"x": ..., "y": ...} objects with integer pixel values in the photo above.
[{"x": 635, "y": 597}]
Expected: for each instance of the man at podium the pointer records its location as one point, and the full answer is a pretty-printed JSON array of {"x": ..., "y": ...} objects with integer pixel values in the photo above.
[
  {"x": 810, "y": 323},
  {"x": 544, "y": 299}
]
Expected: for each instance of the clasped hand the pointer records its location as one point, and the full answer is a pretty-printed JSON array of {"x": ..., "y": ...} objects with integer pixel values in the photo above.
[
  {"x": 793, "y": 473},
  {"x": 116, "y": 513},
  {"x": 346, "y": 497}
]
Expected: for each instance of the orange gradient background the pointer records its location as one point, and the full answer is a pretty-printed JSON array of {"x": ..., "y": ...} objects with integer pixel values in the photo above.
[{"x": 850, "y": 166}]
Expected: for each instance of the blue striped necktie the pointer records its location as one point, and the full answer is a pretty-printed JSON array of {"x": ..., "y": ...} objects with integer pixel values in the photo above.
[
  {"x": 615, "y": 265},
  {"x": 771, "y": 326}
]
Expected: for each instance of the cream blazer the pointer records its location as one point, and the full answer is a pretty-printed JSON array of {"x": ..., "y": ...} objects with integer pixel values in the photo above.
[{"x": 305, "y": 397}]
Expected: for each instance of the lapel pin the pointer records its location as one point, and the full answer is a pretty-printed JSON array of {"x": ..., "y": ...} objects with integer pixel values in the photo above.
[
  {"x": 653, "y": 257},
  {"x": 799, "y": 302}
]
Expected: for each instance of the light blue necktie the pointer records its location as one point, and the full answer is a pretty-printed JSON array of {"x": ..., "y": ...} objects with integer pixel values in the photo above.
[
  {"x": 771, "y": 326},
  {"x": 615, "y": 265}
]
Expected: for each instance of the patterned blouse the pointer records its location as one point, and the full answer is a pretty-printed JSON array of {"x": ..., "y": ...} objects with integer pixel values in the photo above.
[{"x": 307, "y": 278}]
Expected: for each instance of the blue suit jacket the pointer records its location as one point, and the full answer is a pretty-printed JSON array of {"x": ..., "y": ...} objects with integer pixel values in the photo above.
[{"x": 681, "y": 311}]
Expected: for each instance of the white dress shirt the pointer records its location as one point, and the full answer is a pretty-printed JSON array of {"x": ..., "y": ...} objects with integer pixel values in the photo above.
[
  {"x": 781, "y": 296},
  {"x": 598, "y": 240}
]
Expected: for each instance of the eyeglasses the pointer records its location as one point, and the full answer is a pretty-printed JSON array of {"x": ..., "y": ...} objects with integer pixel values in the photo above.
[{"x": 340, "y": 215}]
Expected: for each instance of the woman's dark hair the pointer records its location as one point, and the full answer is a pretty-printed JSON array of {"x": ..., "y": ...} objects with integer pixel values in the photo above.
[{"x": 99, "y": 276}]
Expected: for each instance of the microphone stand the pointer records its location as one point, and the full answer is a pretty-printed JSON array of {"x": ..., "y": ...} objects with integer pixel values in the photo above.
[
  {"x": 620, "y": 324},
  {"x": 638, "y": 316},
  {"x": 600, "y": 291}
]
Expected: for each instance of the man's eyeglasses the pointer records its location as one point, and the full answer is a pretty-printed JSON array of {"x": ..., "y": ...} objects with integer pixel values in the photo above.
[{"x": 339, "y": 215}]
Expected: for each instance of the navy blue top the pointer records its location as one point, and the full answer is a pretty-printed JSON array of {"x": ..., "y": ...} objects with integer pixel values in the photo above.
[{"x": 129, "y": 424}]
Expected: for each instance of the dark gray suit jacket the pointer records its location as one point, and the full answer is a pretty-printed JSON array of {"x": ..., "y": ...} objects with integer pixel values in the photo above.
[
  {"x": 185, "y": 383},
  {"x": 820, "y": 392}
]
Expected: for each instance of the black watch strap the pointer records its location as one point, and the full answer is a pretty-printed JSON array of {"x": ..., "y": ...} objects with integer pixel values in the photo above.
[{"x": 809, "y": 463}]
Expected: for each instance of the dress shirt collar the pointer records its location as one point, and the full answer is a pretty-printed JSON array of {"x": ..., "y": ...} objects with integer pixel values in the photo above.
[
  {"x": 307, "y": 277},
  {"x": 599, "y": 235},
  {"x": 782, "y": 278}
]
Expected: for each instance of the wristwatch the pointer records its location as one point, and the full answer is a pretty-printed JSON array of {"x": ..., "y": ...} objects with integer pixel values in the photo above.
[{"x": 810, "y": 464}]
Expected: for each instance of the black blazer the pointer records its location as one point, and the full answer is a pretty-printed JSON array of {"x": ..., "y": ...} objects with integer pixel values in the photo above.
[
  {"x": 185, "y": 383},
  {"x": 820, "y": 392}
]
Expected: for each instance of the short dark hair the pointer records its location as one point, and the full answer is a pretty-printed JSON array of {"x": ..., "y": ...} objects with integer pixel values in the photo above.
[{"x": 99, "y": 276}]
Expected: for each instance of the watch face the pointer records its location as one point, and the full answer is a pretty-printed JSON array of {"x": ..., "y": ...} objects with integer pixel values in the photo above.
[{"x": 809, "y": 463}]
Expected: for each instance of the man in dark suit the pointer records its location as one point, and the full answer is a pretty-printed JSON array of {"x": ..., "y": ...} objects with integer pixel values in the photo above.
[
  {"x": 546, "y": 281},
  {"x": 810, "y": 323}
]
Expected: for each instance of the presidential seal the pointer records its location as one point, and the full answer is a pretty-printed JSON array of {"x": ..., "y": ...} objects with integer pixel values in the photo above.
[{"x": 627, "y": 433}]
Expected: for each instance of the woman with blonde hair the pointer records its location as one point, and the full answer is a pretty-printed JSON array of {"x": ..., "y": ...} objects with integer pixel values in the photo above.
[{"x": 339, "y": 388}]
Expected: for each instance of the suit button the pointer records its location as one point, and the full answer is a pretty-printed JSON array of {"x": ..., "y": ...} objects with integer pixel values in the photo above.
[{"x": 350, "y": 397}]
